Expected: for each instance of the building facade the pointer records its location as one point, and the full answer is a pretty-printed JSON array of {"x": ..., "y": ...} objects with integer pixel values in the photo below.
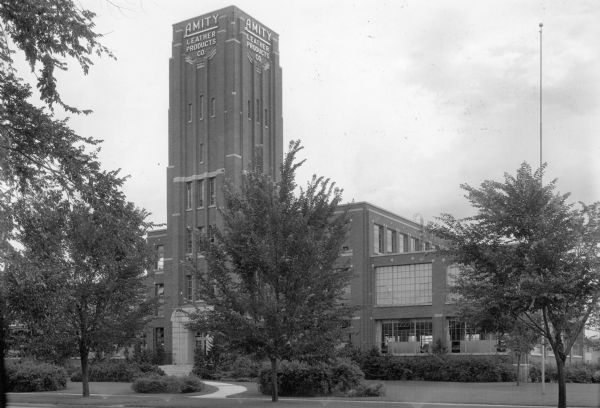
[
  {"x": 402, "y": 286},
  {"x": 224, "y": 118}
]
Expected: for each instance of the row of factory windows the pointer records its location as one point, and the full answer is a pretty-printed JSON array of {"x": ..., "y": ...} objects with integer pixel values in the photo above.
[
  {"x": 412, "y": 336},
  {"x": 190, "y": 111},
  {"x": 201, "y": 197},
  {"x": 387, "y": 240},
  {"x": 255, "y": 111}
]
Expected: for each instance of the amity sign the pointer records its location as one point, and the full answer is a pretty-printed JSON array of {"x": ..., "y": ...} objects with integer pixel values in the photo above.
[{"x": 200, "y": 39}]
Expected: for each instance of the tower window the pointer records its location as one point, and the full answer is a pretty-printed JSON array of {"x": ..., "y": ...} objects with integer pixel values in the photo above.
[
  {"x": 188, "y": 195},
  {"x": 212, "y": 107},
  {"x": 212, "y": 193},
  {"x": 190, "y": 112},
  {"x": 258, "y": 110},
  {"x": 200, "y": 193},
  {"x": 201, "y": 108},
  {"x": 189, "y": 288},
  {"x": 249, "y": 110},
  {"x": 201, "y": 153},
  {"x": 200, "y": 234},
  {"x": 265, "y": 119},
  {"x": 188, "y": 240}
]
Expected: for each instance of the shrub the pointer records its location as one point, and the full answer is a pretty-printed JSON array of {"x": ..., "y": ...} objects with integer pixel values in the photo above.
[
  {"x": 345, "y": 375},
  {"x": 31, "y": 376},
  {"x": 301, "y": 379},
  {"x": 155, "y": 384},
  {"x": 117, "y": 371},
  {"x": 439, "y": 368},
  {"x": 190, "y": 383},
  {"x": 574, "y": 373},
  {"x": 243, "y": 367}
]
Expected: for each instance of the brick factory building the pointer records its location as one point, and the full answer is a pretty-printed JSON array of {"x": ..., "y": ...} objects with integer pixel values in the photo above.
[{"x": 225, "y": 117}]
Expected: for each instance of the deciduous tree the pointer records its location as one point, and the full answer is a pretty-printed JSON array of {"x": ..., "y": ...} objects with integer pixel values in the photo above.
[
  {"x": 38, "y": 152},
  {"x": 78, "y": 282},
  {"x": 272, "y": 283},
  {"x": 529, "y": 255}
]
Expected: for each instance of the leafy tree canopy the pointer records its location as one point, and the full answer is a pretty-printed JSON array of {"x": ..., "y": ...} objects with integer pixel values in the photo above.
[
  {"x": 78, "y": 284},
  {"x": 272, "y": 282},
  {"x": 529, "y": 255}
]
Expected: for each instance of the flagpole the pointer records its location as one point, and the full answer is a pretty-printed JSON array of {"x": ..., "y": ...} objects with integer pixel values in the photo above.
[
  {"x": 541, "y": 25},
  {"x": 541, "y": 175}
]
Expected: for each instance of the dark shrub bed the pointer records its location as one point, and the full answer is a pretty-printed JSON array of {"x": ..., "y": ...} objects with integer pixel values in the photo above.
[
  {"x": 301, "y": 379},
  {"x": 155, "y": 384},
  {"x": 439, "y": 368},
  {"x": 117, "y": 371},
  {"x": 31, "y": 376},
  {"x": 574, "y": 373}
]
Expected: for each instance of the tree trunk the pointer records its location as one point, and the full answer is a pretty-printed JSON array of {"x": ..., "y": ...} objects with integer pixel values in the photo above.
[
  {"x": 274, "y": 391},
  {"x": 518, "y": 368},
  {"x": 3, "y": 376},
  {"x": 562, "y": 383},
  {"x": 83, "y": 354}
]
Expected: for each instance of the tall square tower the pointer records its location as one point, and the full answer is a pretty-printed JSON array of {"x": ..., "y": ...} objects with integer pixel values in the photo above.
[{"x": 224, "y": 118}]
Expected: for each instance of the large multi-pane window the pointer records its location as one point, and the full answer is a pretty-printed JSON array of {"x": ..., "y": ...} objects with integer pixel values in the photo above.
[
  {"x": 405, "y": 330},
  {"x": 402, "y": 285},
  {"x": 378, "y": 247}
]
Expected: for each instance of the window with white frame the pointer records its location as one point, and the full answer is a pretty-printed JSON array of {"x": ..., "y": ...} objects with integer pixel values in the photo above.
[{"x": 403, "y": 285}]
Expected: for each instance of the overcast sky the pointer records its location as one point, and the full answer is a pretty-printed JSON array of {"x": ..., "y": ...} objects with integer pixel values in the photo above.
[{"x": 398, "y": 102}]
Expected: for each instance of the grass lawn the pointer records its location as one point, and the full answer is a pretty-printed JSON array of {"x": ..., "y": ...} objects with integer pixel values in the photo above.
[{"x": 121, "y": 394}]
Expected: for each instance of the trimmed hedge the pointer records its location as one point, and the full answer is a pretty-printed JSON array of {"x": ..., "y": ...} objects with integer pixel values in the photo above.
[
  {"x": 117, "y": 371},
  {"x": 574, "y": 373},
  {"x": 31, "y": 376},
  {"x": 439, "y": 368},
  {"x": 301, "y": 379},
  {"x": 155, "y": 384}
]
